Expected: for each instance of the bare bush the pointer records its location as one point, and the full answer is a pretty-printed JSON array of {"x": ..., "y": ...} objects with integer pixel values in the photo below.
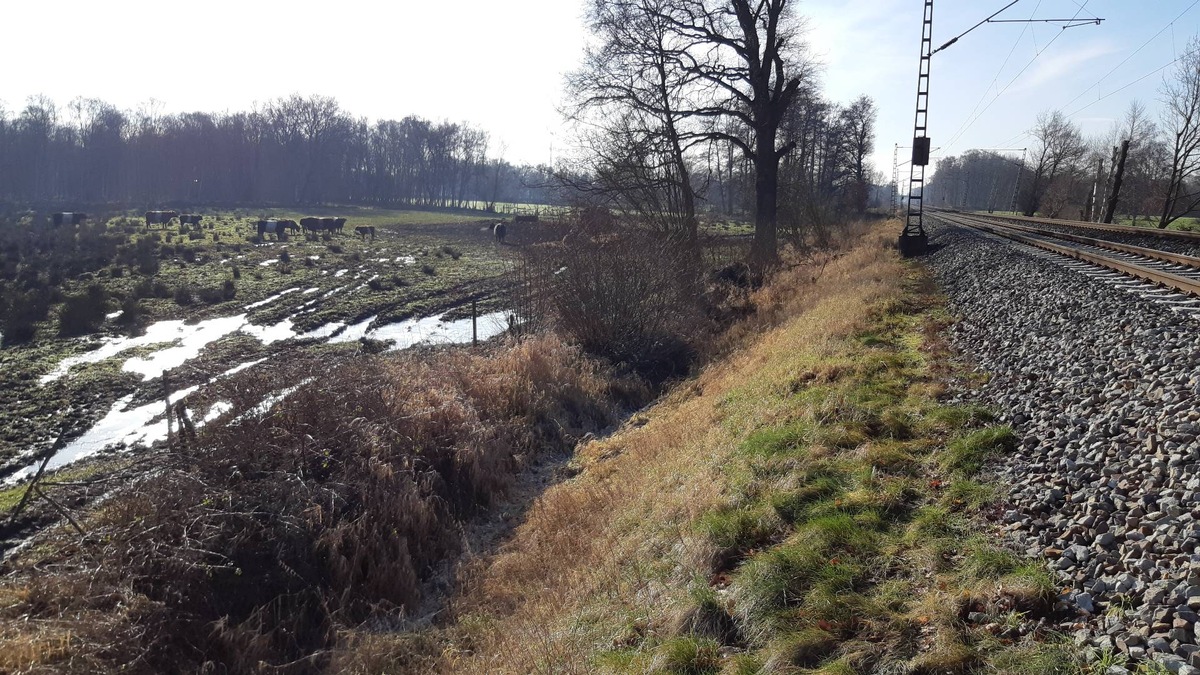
[
  {"x": 621, "y": 293},
  {"x": 278, "y": 529}
]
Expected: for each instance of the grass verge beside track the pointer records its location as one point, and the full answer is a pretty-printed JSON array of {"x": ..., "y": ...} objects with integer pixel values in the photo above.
[{"x": 806, "y": 505}]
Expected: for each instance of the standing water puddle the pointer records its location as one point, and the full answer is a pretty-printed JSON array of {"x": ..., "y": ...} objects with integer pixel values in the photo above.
[
  {"x": 433, "y": 330},
  {"x": 136, "y": 426},
  {"x": 191, "y": 339},
  {"x": 146, "y": 424}
]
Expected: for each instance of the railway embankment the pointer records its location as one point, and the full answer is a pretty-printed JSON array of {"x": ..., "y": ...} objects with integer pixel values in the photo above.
[{"x": 1100, "y": 382}]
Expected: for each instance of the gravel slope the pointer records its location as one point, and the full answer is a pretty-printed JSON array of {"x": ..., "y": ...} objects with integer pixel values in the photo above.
[{"x": 1101, "y": 382}]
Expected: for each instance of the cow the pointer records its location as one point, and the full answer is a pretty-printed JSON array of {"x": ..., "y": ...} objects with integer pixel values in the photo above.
[
  {"x": 276, "y": 227},
  {"x": 160, "y": 217},
  {"x": 190, "y": 219},
  {"x": 364, "y": 230},
  {"x": 68, "y": 218},
  {"x": 339, "y": 223},
  {"x": 500, "y": 230},
  {"x": 312, "y": 224}
]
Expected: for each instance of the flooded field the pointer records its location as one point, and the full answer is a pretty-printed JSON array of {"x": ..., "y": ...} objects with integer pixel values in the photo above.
[{"x": 414, "y": 284}]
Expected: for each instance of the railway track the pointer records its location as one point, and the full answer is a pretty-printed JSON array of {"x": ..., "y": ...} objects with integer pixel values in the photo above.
[
  {"x": 1152, "y": 232},
  {"x": 1171, "y": 270}
]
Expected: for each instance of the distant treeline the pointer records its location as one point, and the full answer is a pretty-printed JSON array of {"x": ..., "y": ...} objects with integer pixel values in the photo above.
[{"x": 293, "y": 150}]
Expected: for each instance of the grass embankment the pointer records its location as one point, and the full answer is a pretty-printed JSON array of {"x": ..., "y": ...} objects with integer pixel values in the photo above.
[{"x": 806, "y": 505}]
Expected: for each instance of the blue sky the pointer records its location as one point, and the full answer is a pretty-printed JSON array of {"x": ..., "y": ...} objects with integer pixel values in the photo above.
[
  {"x": 500, "y": 64},
  {"x": 987, "y": 89}
]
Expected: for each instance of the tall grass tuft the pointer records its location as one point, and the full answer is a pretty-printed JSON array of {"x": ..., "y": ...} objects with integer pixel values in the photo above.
[{"x": 274, "y": 532}]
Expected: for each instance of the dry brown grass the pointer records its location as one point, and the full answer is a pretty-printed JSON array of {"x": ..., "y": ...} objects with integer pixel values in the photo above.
[
  {"x": 254, "y": 549},
  {"x": 599, "y": 558}
]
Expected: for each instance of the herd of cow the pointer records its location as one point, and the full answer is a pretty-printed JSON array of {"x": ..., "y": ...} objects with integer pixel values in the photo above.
[{"x": 274, "y": 227}]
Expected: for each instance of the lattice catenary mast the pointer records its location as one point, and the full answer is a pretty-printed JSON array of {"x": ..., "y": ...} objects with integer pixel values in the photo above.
[{"x": 913, "y": 239}]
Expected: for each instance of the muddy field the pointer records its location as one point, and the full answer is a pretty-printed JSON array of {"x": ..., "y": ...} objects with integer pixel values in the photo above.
[{"x": 211, "y": 302}]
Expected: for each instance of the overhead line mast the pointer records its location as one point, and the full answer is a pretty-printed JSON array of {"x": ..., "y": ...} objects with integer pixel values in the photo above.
[{"x": 913, "y": 240}]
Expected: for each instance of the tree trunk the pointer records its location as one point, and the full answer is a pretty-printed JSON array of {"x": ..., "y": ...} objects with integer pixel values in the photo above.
[{"x": 766, "y": 193}]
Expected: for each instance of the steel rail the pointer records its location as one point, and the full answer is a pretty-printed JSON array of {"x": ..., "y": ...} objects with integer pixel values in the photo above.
[
  {"x": 1161, "y": 256},
  {"x": 1122, "y": 229},
  {"x": 1159, "y": 277}
]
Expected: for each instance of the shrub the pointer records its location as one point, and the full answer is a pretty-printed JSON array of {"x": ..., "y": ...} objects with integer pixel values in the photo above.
[
  {"x": 18, "y": 330},
  {"x": 237, "y": 272},
  {"x": 630, "y": 296},
  {"x": 83, "y": 314},
  {"x": 228, "y": 290},
  {"x": 116, "y": 272},
  {"x": 428, "y": 269},
  {"x": 334, "y": 248},
  {"x": 189, "y": 254},
  {"x": 183, "y": 295},
  {"x": 285, "y": 257},
  {"x": 376, "y": 285},
  {"x": 452, "y": 252},
  {"x": 132, "y": 312}
]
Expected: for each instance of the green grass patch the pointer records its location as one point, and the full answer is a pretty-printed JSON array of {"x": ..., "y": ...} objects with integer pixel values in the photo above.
[
  {"x": 858, "y": 507},
  {"x": 967, "y": 454}
]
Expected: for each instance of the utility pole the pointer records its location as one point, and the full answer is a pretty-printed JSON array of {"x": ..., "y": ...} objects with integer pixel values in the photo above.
[
  {"x": 1017, "y": 186},
  {"x": 1092, "y": 202},
  {"x": 1116, "y": 190},
  {"x": 895, "y": 179}
]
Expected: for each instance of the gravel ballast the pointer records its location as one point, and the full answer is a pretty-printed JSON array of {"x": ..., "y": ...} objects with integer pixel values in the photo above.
[{"x": 1099, "y": 380}]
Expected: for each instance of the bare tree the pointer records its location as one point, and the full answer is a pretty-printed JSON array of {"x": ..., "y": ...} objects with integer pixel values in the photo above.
[
  {"x": 1181, "y": 119},
  {"x": 858, "y": 121},
  {"x": 754, "y": 66},
  {"x": 1059, "y": 149},
  {"x": 633, "y": 93}
]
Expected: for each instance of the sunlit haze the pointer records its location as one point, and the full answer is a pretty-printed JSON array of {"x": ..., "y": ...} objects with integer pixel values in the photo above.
[{"x": 499, "y": 65}]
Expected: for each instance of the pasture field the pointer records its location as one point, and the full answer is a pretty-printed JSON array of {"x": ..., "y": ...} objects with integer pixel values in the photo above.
[{"x": 240, "y": 299}]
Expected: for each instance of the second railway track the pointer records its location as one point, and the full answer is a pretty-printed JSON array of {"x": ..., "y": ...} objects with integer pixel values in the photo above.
[{"x": 1171, "y": 270}]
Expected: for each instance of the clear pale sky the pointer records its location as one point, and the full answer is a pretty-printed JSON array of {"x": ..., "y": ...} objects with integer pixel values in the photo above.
[{"x": 499, "y": 64}]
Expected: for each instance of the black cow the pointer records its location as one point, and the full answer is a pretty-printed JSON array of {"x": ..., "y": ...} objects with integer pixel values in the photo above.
[
  {"x": 500, "y": 230},
  {"x": 190, "y": 219},
  {"x": 339, "y": 223},
  {"x": 160, "y": 217},
  {"x": 68, "y": 218},
  {"x": 364, "y": 230},
  {"x": 312, "y": 224},
  {"x": 276, "y": 227}
]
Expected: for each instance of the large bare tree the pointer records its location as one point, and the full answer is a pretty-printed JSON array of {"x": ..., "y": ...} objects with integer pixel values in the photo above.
[
  {"x": 632, "y": 95},
  {"x": 1181, "y": 119},
  {"x": 701, "y": 71},
  {"x": 753, "y": 68},
  {"x": 1057, "y": 153},
  {"x": 859, "y": 123}
]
